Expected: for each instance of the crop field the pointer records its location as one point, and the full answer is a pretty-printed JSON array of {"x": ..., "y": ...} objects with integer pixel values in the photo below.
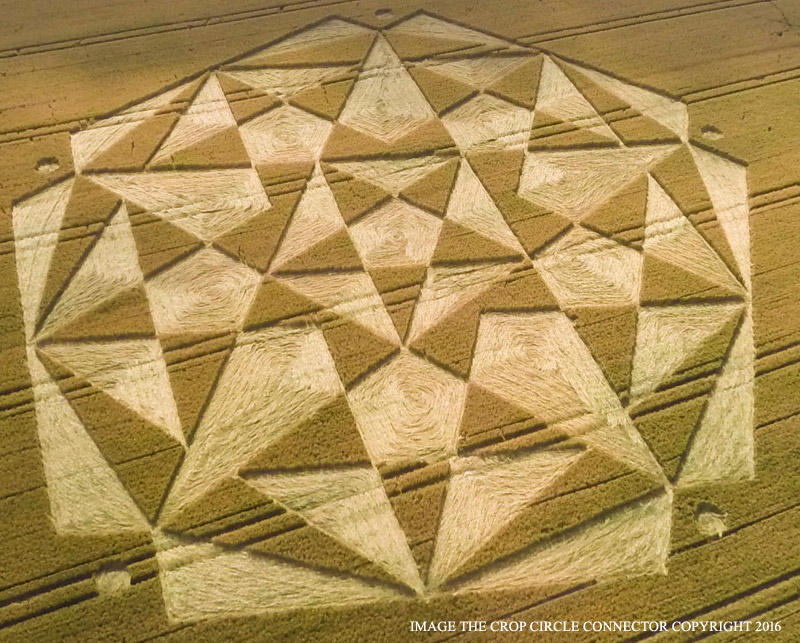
[{"x": 359, "y": 321}]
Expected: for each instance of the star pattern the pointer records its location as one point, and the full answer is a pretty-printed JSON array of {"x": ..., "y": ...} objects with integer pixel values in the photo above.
[{"x": 384, "y": 296}]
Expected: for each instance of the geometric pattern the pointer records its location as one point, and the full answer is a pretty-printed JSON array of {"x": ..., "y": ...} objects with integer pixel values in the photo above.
[{"x": 331, "y": 320}]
